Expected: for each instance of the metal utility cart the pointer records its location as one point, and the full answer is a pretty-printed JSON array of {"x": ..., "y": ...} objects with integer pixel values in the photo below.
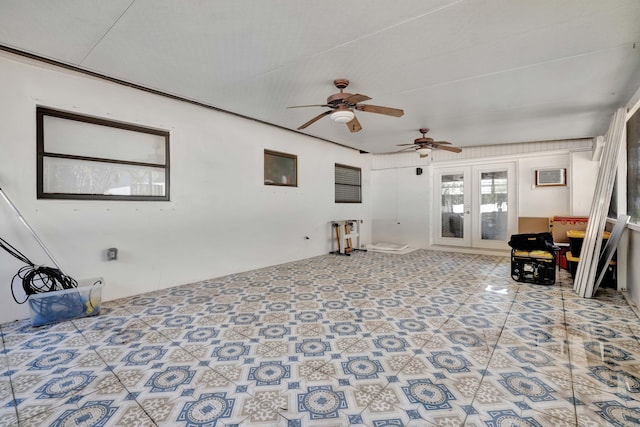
[{"x": 345, "y": 235}]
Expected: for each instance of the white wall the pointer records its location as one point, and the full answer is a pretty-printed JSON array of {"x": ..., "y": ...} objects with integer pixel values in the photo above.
[
  {"x": 633, "y": 261},
  {"x": 401, "y": 206},
  {"x": 401, "y": 200},
  {"x": 584, "y": 174},
  {"x": 542, "y": 201},
  {"x": 221, "y": 218}
]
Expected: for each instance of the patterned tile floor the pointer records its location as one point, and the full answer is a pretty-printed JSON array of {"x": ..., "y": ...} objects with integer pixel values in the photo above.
[{"x": 427, "y": 338}]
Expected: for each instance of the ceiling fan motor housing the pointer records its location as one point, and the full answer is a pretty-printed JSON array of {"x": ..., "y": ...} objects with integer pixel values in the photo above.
[
  {"x": 338, "y": 98},
  {"x": 423, "y": 141}
]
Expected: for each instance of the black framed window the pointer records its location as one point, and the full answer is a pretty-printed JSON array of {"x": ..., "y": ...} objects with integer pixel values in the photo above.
[
  {"x": 87, "y": 158},
  {"x": 280, "y": 169},
  {"x": 348, "y": 181}
]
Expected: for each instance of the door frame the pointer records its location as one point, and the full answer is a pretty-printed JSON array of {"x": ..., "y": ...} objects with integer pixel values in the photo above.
[
  {"x": 436, "y": 233},
  {"x": 472, "y": 218},
  {"x": 476, "y": 238}
]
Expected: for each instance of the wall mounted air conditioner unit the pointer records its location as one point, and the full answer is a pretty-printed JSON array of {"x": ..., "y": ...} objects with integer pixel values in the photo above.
[{"x": 551, "y": 177}]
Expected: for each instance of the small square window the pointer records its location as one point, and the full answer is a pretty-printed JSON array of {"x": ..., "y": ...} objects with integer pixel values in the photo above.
[
  {"x": 348, "y": 181},
  {"x": 280, "y": 169}
]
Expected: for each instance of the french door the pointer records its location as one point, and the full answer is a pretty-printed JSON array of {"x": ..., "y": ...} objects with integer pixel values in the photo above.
[{"x": 475, "y": 206}]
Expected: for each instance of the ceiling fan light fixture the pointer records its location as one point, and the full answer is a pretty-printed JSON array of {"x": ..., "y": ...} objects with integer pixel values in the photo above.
[
  {"x": 342, "y": 116},
  {"x": 423, "y": 150}
]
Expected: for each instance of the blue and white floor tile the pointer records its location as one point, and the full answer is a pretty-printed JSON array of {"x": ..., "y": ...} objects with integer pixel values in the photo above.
[{"x": 422, "y": 339}]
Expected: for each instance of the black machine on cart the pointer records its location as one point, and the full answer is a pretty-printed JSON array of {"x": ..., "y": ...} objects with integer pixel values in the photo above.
[{"x": 533, "y": 258}]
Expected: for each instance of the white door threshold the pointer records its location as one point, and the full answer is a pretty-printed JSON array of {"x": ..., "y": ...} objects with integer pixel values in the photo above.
[{"x": 464, "y": 250}]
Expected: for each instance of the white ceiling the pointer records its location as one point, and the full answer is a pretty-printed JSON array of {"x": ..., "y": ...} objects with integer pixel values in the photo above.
[{"x": 476, "y": 72}]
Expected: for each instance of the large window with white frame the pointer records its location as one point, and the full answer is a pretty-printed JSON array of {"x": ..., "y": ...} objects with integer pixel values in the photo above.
[{"x": 82, "y": 157}]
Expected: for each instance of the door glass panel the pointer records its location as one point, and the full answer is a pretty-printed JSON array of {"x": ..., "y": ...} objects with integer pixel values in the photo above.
[
  {"x": 493, "y": 205},
  {"x": 452, "y": 205}
]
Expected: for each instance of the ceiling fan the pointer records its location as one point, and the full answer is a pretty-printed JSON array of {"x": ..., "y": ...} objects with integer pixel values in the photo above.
[
  {"x": 425, "y": 145},
  {"x": 342, "y": 106}
]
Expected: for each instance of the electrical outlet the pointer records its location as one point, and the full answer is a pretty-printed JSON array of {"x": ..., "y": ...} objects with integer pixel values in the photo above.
[{"x": 112, "y": 254}]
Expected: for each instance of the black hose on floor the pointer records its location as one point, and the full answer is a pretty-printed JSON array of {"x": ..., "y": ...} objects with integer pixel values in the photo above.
[{"x": 36, "y": 279}]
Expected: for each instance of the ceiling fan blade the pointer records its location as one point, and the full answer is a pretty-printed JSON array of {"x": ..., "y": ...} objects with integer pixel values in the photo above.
[
  {"x": 315, "y": 119},
  {"x": 441, "y": 142},
  {"x": 452, "y": 149},
  {"x": 423, "y": 156},
  {"x": 388, "y": 111},
  {"x": 313, "y": 105},
  {"x": 398, "y": 151},
  {"x": 354, "y": 125},
  {"x": 400, "y": 145},
  {"x": 356, "y": 98}
]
